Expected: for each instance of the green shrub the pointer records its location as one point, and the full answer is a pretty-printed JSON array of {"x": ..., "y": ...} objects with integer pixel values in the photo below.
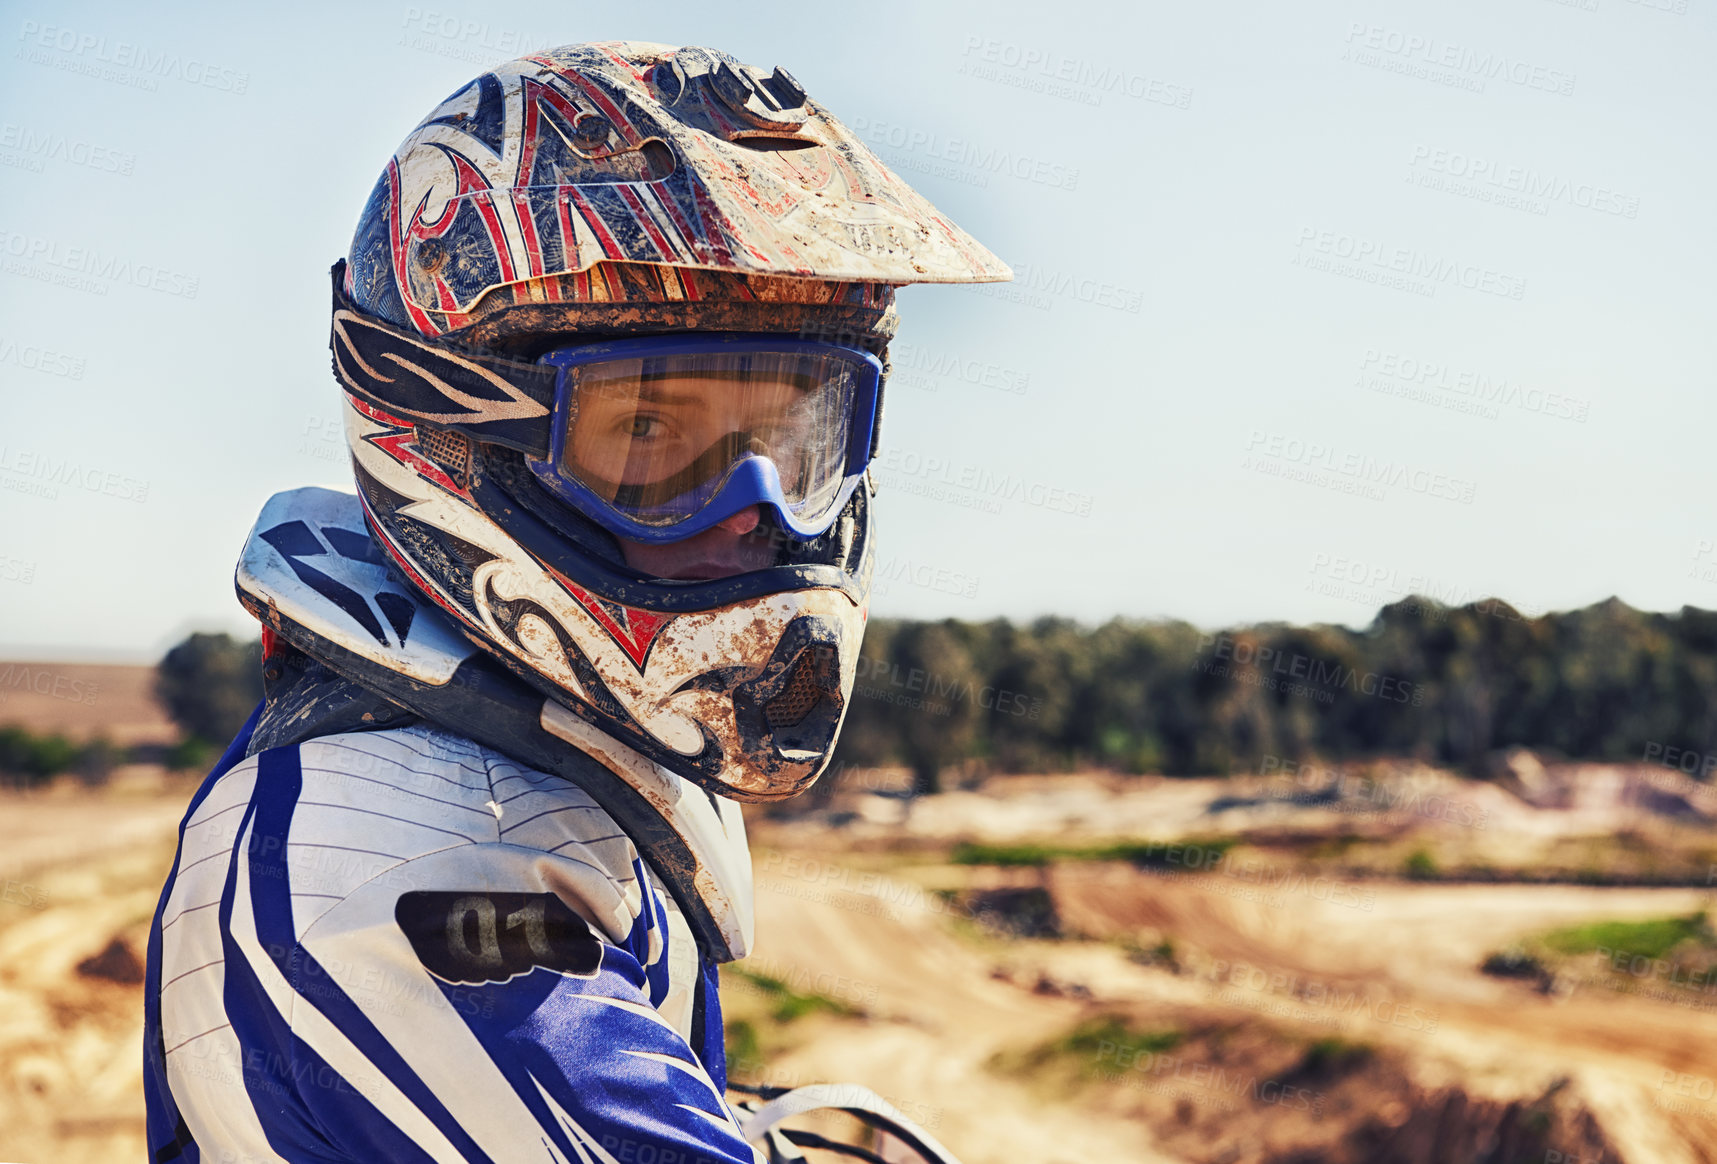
[
  {"x": 192, "y": 752},
  {"x": 788, "y": 1005},
  {"x": 1095, "y": 1048},
  {"x": 27, "y": 758},
  {"x": 1634, "y": 939},
  {"x": 1420, "y": 866},
  {"x": 1333, "y": 1056}
]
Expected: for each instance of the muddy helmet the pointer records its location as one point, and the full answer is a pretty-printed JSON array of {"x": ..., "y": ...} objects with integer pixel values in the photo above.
[{"x": 575, "y": 232}]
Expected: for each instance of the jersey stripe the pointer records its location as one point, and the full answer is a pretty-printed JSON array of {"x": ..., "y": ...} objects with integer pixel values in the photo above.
[
  {"x": 167, "y": 1134},
  {"x": 279, "y": 781}
]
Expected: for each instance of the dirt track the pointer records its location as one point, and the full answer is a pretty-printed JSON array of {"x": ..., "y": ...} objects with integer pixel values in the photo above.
[
  {"x": 939, "y": 1017},
  {"x": 1417, "y": 949},
  {"x": 1400, "y": 975},
  {"x": 1387, "y": 965}
]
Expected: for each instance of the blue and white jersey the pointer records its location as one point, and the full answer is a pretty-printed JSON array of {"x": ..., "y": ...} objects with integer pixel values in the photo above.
[{"x": 399, "y": 945}]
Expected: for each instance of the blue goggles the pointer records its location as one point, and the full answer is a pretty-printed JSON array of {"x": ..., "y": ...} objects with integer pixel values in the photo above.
[{"x": 661, "y": 438}]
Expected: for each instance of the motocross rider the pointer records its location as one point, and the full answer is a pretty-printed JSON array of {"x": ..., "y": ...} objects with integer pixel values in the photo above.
[{"x": 612, "y": 337}]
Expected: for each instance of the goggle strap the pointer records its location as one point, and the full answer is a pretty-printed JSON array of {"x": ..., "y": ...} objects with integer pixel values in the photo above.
[
  {"x": 488, "y": 398},
  {"x": 876, "y": 416}
]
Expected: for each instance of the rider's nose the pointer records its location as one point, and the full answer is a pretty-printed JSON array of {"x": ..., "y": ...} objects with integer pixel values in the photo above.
[{"x": 742, "y": 522}]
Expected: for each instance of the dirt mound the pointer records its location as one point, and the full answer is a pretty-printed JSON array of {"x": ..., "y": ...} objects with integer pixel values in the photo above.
[
  {"x": 1612, "y": 795},
  {"x": 117, "y": 962},
  {"x": 1257, "y": 1093},
  {"x": 1291, "y": 804},
  {"x": 1453, "y": 1125}
]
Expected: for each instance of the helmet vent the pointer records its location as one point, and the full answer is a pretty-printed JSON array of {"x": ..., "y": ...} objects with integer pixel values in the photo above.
[
  {"x": 802, "y": 691},
  {"x": 775, "y": 145},
  {"x": 450, "y": 450},
  {"x": 658, "y": 158}
]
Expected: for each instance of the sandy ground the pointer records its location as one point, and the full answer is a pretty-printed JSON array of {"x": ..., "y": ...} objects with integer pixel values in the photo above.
[
  {"x": 946, "y": 1006},
  {"x": 55, "y": 831},
  {"x": 71, "y": 1040},
  {"x": 1260, "y": 969}
]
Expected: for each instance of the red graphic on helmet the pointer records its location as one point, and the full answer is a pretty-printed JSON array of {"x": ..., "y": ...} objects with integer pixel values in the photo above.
[
  {"x": 398, "y": 445},
  {"x": 683, "y": 159},
  {"x": 634, "y": 630}
]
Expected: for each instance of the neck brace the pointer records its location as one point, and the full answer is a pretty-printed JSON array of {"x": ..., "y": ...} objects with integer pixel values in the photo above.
[{"x": 310, "y": 573}]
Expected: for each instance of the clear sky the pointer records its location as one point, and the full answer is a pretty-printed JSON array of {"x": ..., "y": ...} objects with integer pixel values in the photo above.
[{"x": 1318, "y": 303}]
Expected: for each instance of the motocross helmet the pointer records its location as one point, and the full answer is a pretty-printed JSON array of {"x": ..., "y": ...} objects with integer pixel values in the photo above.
[{"x": 564, "y": 252}]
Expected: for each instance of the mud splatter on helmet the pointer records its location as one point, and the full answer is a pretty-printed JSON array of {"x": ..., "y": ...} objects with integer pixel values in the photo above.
[{"x": 607, "y": 192}]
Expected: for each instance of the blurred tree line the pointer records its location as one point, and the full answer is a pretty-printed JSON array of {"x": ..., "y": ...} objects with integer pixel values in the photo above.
[{"x": 1449, "y": 685}]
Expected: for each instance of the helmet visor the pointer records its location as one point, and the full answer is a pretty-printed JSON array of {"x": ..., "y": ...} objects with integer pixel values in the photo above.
[{"x": 666, "y": 439}]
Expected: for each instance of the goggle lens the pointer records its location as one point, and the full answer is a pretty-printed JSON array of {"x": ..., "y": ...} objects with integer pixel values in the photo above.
[{"x": 656, "y": 439}]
